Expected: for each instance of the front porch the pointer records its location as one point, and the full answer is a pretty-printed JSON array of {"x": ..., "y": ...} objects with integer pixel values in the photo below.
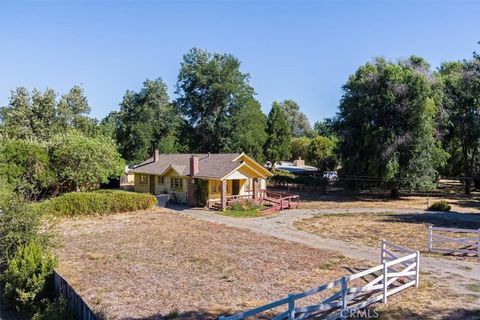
[{"x": 272, "y": 201}]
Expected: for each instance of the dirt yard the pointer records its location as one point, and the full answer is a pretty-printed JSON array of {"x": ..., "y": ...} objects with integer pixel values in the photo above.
[
  {"x": 154, "y": 264},
  {"x": 342, "y": 201},
  {"x": 408, "y": 229}
]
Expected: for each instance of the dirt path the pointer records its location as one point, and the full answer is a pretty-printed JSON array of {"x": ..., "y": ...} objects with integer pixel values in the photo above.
[{"x": 456, "y": 274}]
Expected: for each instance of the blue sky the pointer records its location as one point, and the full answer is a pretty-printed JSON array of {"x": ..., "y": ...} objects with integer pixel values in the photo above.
[{"x": 301, "y": 50}]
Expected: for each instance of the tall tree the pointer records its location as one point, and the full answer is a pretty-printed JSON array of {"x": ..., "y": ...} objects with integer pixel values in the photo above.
[
  {"x": 386, "y": 124},
  {"x": 461, "y": 83},
  {"x": 320, "y": 152},
  {"x": 37, "y": 115},
  {"x": 146, "y": 121},
  {"x": 73, "y": 110},
  {"x": 248, "y": 131},
  {"x": 277, "y": 146},
  {"x": 212, "y": 92},
  {"x": 325, "y": 128},
  {"x": 296, "y": 120},
  {"x": 299, "y": 147},
  {"x": 16, "y": 118}
]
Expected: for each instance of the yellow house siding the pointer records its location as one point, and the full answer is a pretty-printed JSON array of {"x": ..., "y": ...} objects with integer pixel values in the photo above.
[
  {"x": 216, "y": 195},
  {"x": 139, "y": 187}
]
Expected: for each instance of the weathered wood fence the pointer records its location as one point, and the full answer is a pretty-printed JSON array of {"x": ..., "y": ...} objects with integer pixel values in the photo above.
[
  {"x": 74, "y": 302},
  {"x": 465, "y": 245},
  {"x": 399, "y": 269}
]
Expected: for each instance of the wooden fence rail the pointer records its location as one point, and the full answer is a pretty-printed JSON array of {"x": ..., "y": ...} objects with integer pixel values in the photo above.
[
  {"x": 465, "y": 245},
  {"x": 394, "y": 274},
  {"x": 74, "y": 302}
]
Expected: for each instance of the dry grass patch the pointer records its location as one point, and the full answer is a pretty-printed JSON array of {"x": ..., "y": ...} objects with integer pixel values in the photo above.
[
  {"x": 409, "y": 230},
  {"x": 383, "y": 201},
  {"x": 154, "y": 264},
  {"x": 429, "y": 301}
]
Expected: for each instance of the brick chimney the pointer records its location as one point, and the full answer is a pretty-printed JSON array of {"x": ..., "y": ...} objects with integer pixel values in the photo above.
[
  {"x": 156, "y": 155},
  {"x": 299, "y": 162},
  {"x": 193, "y": 165}
]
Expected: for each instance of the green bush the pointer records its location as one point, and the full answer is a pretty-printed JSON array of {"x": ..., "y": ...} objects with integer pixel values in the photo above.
[
  {"x": 54, "y": 310},
  {"x": 97, "y": 203},
  {"x": 28, "y": 277},
  {"x": 440, "y": 206},
  {"x": 19, "y": 224}
]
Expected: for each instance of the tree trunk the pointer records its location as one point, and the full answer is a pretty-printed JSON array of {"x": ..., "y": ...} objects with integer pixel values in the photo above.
[
  {"x": 466, "y": 165},
  {"x": 394, "y": 193}
]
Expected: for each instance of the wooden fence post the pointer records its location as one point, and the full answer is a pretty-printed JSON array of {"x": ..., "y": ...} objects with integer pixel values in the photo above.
[
  {"x": 291, "y": 307},
  {"x": 385, "y": 284},
  {"x": 344, "y": 297},
  {"x": 417, "y": 269},
  {"x": 430, "y": 231}
]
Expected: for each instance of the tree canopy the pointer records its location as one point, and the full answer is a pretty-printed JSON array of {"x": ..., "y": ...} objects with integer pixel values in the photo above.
[
  {"x": 277, "y": 146},
  {"x": 146, "y": 121},
  {"x": 386, "y": 124},
  {"x": 82, "y": 163},
  {"x": 38, "y": 115},
  {"x": 212, "y": 95},
  {"x": 296, "y": 120},
  {"x": 461, "y": 88}
]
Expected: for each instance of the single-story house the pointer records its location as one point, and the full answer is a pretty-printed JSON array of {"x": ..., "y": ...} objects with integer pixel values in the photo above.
[{"x": 201, "y": 179}]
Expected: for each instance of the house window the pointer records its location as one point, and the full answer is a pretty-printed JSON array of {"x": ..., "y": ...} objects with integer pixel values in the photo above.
[
  {"x": 161, "y": 180},
  {"x": 176, "y": 184},
  {"x": 143, "y": 179},
  {"x": 215, "y": 186}
]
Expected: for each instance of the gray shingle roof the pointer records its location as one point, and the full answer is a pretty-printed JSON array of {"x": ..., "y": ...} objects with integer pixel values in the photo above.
[{"x": 215, "y": 165}]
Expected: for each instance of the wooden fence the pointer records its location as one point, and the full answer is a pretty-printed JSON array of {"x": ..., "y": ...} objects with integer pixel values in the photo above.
[
  {"x": 394, "y": 274},
  {"x": 74, "y": 302},
  {"x": 465, "y": 245}
]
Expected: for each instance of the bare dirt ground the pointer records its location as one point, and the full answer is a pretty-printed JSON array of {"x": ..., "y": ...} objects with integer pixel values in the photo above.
[
  {"x": 152, "y": 264},
  {"x": 462, "y": 204},
  {"x": 156, "y": 264},
  {"x": 407, "y": 229}
]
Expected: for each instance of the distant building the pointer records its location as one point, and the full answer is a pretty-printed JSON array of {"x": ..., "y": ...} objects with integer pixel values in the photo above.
[{"x": 297, "y": 167}]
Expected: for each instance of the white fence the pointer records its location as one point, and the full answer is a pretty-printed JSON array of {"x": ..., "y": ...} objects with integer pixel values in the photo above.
[
  {"x": 465, "y": 245},
  {"x": 399, "y": 269}
]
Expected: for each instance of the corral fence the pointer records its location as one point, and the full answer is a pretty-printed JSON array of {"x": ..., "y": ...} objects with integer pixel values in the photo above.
[
  {"x": 399, "y": 269},
  {"x": 75, "y": 303},
  {"x": 465, "y": 245}
]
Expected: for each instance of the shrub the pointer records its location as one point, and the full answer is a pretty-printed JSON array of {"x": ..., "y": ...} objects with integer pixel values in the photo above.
[
  {"x": 440, "y": 206},
  {"x": 28, "y": 277},
  {"x": 54, "y": 310},
  {"x": 19, "y": 224},
  {"x": 97, "y": 203},
  {"x": 82, "y": 163},
  {"x": 25, "y": 165}
]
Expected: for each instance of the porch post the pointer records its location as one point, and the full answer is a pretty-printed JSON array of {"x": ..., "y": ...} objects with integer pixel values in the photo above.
[
  {"x": 223, "y": 194},
  {"x": 254, "y": 188}
]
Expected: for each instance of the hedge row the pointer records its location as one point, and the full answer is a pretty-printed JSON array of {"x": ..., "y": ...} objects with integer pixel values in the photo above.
[{"x": 99, "y": 202}]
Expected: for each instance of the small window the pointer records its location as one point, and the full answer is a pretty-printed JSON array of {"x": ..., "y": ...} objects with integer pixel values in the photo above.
[
  {"x": 143, "y": 179},
  {"x": 176, "y": 184},
  {"x": 213, "y": 186},
  {"x": 161, "y": 180}
]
